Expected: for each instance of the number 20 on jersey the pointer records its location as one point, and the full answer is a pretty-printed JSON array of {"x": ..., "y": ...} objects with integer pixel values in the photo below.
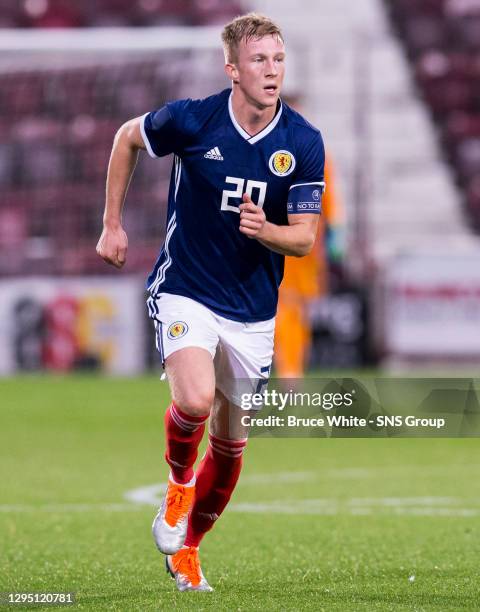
[{"x": 240, "y": 189}]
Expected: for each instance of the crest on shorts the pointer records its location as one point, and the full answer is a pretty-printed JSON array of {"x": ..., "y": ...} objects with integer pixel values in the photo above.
[
  {"x": 282, "y": 163},
  {"x": 177, "y": 330}
]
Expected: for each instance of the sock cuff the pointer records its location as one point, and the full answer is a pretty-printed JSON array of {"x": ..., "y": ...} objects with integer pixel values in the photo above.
[
  {"x": 229, "y": 448},
  {"x": 190, "y": 483},
  {"x": 186, "y": 421},
  {"x": 241, "y": 443}
]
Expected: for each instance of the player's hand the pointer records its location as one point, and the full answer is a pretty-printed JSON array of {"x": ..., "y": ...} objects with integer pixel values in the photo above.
[
  {"x": 112, "y": 246},
  {"x": 252, "y": 218}
]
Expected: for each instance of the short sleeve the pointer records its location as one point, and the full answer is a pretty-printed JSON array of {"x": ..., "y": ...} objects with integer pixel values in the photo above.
[
  {"x": 163, "y": 129},
  {"x": 305, "y": 194}
]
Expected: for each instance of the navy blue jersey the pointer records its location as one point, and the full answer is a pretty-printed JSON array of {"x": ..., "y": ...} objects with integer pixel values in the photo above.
[{"x": 205, "y": 256}]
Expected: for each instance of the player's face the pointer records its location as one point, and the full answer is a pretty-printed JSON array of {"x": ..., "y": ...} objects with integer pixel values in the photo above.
[{"x": 259, "y": 70}]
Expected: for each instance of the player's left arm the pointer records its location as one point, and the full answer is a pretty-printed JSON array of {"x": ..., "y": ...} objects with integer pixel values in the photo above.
[
  {"x": 304, "y": 204},
  {"x": 297, "y": 238}
]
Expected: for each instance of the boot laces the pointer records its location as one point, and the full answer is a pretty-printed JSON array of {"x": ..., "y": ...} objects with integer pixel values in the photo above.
[
  {"x": 178, "y": 504},
  {"x": 188, "y": 564}
]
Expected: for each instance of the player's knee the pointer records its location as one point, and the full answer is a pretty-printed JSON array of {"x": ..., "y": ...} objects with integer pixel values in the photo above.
[{"x": 197, "y": 403}]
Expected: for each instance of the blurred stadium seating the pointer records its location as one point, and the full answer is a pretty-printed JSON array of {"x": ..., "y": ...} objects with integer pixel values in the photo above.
[
  {"x": 58, "y": 120},
  {"x": 442, "y": 38},
  {"x": 104, "y": 13},
  {"x": 64, "y": 93},
  {"x": 58, "y": 126}
]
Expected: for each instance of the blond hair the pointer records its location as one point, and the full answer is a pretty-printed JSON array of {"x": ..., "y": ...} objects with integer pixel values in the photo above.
[{"x": 245, "y": 28}]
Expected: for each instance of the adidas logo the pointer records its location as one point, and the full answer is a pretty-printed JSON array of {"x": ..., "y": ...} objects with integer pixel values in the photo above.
[{"x": 214, "y": 154}]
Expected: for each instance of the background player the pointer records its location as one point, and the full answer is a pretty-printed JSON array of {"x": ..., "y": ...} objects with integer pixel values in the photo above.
[
  {"x": 245, "y": 191},
  {"x": 306, "y": 279}
]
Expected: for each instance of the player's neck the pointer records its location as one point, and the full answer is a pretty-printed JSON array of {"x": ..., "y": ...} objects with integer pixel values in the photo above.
[{"x": 249, "y": 116}]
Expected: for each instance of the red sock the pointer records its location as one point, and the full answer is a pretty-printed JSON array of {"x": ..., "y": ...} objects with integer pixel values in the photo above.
[
  {"x": 184, "y": 433},
  {"x": 217, "y": 476}
]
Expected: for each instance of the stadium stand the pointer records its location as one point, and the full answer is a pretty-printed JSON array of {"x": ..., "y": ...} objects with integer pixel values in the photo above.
[
  {"x": 442, "y": 39},
  {"x": 58, "y": 127},
  {"x": 58, "y": 118},
  {"x": 399, "y": 193},
  {"x": 105, "y": 13}
]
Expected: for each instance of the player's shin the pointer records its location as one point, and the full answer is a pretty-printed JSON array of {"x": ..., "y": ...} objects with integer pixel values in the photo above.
[
  {"x": 216, "y": 478},
  {"x": 183, "y": 435}
]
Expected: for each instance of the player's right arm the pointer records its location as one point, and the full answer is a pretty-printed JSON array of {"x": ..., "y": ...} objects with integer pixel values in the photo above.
[{"x": 113, "y": 243}]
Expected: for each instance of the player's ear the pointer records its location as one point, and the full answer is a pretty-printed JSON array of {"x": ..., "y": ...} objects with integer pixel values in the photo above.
[{"x": 232, "y": 72}]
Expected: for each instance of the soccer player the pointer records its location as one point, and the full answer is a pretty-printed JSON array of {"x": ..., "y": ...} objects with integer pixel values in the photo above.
[
  {"x": 306, "y": 279},
  {"x": 245, "y": 191}
]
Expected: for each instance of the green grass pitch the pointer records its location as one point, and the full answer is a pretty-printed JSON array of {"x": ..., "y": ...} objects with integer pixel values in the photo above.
[{"x": 316, "y": 524}]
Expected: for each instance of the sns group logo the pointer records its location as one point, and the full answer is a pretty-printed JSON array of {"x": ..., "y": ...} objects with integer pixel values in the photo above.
[
  {"x": 282, "y": 163},
  {"x": 177, "y": 330}
]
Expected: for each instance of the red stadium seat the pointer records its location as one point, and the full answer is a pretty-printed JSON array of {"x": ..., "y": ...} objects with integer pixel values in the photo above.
[
  {"x": 443, "y": 39},
  {"x": 105, "y": 13}
]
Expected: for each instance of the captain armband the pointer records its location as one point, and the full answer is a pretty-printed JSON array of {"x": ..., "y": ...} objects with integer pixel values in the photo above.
[{"x": 305, "y": 198}]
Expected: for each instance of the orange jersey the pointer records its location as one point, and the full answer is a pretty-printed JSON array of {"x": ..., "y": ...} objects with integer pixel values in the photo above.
[{"x": 307, "y": 275}]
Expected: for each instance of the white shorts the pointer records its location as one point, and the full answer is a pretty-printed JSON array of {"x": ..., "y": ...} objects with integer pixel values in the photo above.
[{"x": 241, "y": 352}]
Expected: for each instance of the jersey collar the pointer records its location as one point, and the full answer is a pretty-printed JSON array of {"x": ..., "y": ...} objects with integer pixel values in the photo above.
[{"x": 266, "y": 130}]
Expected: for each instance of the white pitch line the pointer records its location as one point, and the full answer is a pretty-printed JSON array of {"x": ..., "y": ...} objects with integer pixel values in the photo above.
[
  {"x": 391, "y": 470},
  {"x": 437, "y": 511},
  {"x": 353, "y": 473},
  {"x": 150, "y": 496},
  {"x": 60, "y": 508},
  {"x": 326, "y": 507},
  {"x": 315, "y": 506},
  {"x": 318, "y": 507},
  {"x": 279, "y": 477},
  {"x": 404, "y": 501}
]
